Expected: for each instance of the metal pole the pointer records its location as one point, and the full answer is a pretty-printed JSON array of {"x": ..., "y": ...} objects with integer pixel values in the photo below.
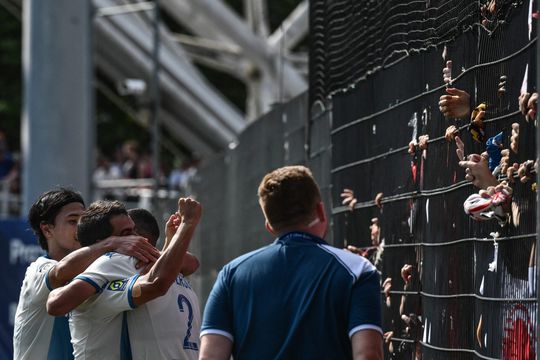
[
  {"x": 155, "y": 105},
  {"x": 56, "y": 124}
]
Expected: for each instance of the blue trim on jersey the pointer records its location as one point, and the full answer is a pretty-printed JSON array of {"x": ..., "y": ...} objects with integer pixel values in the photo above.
[
  {"x": 47, "y": 281},
  {"x": 90, "y": 281},
  {"x": 125, "y": 344},
  {"x": 130, "y": 291},
  {"x": 60, "y": 347}
]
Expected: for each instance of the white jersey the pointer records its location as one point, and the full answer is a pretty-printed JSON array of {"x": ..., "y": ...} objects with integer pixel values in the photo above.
[
  {"x": 33, "y": 335},
  {"x": 167, "y": 327},
  {"x": 96, "y": 325}
]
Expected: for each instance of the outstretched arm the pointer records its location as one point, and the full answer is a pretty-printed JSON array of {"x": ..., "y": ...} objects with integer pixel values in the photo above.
[
  {"x": 164, "y": 272},
  {"x": 66, "y": 298},
  {"x": 191, "y": 263},
  {"x": 76, "y": 262}
]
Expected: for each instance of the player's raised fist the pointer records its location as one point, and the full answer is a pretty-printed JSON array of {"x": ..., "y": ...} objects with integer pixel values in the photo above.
[{"x": 189, "y": 210}]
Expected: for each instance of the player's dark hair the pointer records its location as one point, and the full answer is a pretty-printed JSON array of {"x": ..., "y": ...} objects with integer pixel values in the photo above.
[
  {"x": 145, "y": 224},
  {"x": 47, "y": 207},
  {"x": 95, "y": 222}
]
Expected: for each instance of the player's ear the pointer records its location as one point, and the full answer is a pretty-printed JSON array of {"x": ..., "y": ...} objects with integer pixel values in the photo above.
[
  {"x": 269, "y": 228},
  {"x": 45, "y": 229},
  {"x": 321, "y": 213}
]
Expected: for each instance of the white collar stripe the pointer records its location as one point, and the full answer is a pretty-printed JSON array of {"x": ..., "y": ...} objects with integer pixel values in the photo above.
[
  {"x": 217, "y": 332},
  {"x": 355, "y": 264}
]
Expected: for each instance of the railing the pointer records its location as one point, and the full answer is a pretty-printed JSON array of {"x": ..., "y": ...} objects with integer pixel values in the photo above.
[
  {"x": 10, "y": 203},
  {"x": 133, "y": 192}
]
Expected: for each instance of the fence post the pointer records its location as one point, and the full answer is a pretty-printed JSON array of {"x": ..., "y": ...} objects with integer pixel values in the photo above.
[{"x": 57, "y": 132}]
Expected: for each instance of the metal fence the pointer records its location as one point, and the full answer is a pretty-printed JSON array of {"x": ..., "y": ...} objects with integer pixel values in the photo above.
[
  {"x": 471, "y": 296},
  {"x": 232, "y": 220}
]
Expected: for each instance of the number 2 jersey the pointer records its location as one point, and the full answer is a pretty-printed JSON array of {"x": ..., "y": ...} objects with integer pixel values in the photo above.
[
  {"x": 164, "y": 328},
  {"x": 37, "y": 335},
  {"x": 167, "y": 327}
]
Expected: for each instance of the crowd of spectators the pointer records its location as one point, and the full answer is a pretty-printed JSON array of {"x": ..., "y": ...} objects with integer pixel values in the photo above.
[
  {"x": 127, "y": 162},
  {"x": 9, "y": 177}
]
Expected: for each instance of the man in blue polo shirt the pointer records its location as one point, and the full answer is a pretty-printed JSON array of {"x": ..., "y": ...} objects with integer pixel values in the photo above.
[{"x": 298, "y": 298}]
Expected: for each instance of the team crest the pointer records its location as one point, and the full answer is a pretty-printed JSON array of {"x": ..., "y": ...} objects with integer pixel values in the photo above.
[{"x": 117, "y": 285}]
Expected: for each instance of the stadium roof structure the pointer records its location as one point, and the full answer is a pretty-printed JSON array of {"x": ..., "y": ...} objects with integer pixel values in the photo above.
[{"x": 192, "y": 110}]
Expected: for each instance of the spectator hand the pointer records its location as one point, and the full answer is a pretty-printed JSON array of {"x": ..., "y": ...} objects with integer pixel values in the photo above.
[
  {"x": 387, "y": 286},
  {"x": 531, "y": 107},
  {"x": 527, "y": 105},
  {"x": 477, "y": 171},
  {"x": 460, "y": 148},
  {"x": 357, "y": 250},
  {"x": 406, "y": 273},
  {"x": 348, "y": 198},
  {"x": 456, "y": 104},
  {"x": 447, "y": 72},
  {"x": 388, "y": 340}
]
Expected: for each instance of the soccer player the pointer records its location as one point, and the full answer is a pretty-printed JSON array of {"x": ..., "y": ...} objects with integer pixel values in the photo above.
[
  {"x": 53, "y": 218},
  {"x": 298, "y": 298},
  {"x": 146, "y": 226},
  {"x": 167, "y": 327},
  {"x": 100, "y": 295}
]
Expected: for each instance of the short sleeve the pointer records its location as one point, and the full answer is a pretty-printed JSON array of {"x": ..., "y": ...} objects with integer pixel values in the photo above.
[
  {"x": 116, "y": 296},
  {"x": 39, "y": 279},
  {"x": 108, "y": 267},
  {"x": 365, "y": 310},
  {"x": 217, "y": 318}
]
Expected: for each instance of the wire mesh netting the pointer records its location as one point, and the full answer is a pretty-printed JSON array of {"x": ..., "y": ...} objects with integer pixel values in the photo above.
[
  {"x": 353, "y": 39},
  {"x": 233, "y": 222},
  {"x": 379, "y": 67}
]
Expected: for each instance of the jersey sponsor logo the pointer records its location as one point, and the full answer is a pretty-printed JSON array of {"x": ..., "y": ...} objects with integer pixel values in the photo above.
[{"x": 117, "y": 285}]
